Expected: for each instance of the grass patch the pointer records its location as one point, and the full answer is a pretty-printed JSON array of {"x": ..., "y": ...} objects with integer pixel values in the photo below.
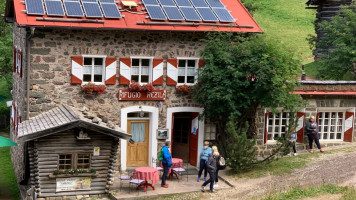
[
  {"x": 311, "y": 70},
  {"x": 286, "y": 165},
  {"x": 7, "y": 177},
  {"x": 298, "y": 193},
  {"x": 288, "y": 22}
]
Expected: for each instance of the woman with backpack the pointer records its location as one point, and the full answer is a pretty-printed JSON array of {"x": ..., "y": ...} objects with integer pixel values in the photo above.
[{"x": 166, "y": 162}]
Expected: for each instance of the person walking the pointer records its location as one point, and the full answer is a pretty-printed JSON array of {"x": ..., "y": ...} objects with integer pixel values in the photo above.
[
  {"x": 215, "y": 149},
  {"x": 211, "y": 166},
  {"x": 166, "y": 162},
  {"x": 312, "y": 132},
  {"x": 292, "y": 141},
  {"x": 204, "y": 154}
]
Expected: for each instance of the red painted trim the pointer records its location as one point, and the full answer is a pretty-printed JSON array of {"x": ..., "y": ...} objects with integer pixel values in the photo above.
[
  {"x": 111, "y": 81},
  {"x": 300, "y": 133},
  {"x": 158, "y": 81},
  {"x": 173, "y": 61},
  {"x": 170, "y": 81},
  {"x": 75, "y": 80},
  {"x": 201, "y": 63},
  {"x": 109, "y": 61},
  {"x": 348, "y": 133},
  {"x": 155, "y": 95},
  {"x": 319, "y": 92},
  {"x": 157, "y": 61},
  {"x": 78, "y": 59},
  {"x": 266, "y": 131},
  {"x": 123, "y": 81},
  {"x": 126, "y": 61},
  {"x": 20, "y": 72}
]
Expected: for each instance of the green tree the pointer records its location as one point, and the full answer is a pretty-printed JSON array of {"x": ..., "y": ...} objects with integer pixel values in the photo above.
[
  {"x": 337, "y": 44},
  {"x": 241, "y": 74}
]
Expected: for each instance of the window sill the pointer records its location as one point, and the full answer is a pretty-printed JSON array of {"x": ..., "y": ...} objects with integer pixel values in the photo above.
[
  {"x": 188, "y": 84},
  {"x": 95, "y": 83},
  {"x": 72, "y": 175}
]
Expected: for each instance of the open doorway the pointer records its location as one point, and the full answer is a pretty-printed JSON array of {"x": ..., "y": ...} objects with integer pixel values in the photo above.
[{"x": 181, "y": 135}]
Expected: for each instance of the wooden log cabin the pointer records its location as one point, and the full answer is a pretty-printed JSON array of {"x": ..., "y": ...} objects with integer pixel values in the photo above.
[{"x": 70, "y": 152}]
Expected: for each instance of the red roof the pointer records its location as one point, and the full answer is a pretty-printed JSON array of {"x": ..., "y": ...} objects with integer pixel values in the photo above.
[
  {"x": 131, "y": 21},
  {"x": 319, "y": 92}
]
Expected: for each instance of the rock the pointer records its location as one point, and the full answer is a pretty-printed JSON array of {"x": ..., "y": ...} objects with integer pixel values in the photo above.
[
  {"x": 84, "y": 109},
  {"x": 110, "y": 124},
  {"x": 96, "y": 120},
  {"x": 89, "y": 115},
  {"x": 105, "y": 120}
]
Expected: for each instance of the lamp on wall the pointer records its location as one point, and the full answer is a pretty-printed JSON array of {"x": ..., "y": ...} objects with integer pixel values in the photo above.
[{"x": 141, "y": 114}]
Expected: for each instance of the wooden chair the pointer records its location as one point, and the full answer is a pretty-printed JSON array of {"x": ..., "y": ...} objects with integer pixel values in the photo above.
[{"x": 182, "y": 170}]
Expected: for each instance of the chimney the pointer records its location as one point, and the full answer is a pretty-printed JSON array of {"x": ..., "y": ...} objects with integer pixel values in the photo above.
[{"x": 303, "y": 74}]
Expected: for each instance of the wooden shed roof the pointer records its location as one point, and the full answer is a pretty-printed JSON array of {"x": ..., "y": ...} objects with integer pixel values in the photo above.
[{"x": 64, "y": 118}]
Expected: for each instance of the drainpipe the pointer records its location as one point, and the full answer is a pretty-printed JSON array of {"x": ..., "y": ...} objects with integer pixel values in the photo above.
[{"x": 28, "y": 46}]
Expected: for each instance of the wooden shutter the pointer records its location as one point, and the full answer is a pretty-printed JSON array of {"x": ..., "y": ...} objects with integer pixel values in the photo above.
[
  {"x": 19, "y": 62},
  {"x": 125, "y": 71},
  {"x": 194, "y": 135},
  {"x": 157, "y": 71},
  {"x": 349, "y": 125},
  {"x": 300, "y": 125},
  {"x": 201, "y": 63},
  {"x": 77, "y": 70},
  {"x": 266, "y": 128},
  {"x": 110, "y": 71},
  {"x": 172, "y": 71}
]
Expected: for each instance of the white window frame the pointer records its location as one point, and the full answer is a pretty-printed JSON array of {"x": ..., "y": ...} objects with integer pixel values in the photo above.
[
  {"x": 92, "y": 69},
  {"x": 210, "y": 133},
  {"x": 186, "y": 70},
  {"x": 321, "y": 125},
  {"x": 273, "y": 140},
  {"x": 149, "y": 68}
]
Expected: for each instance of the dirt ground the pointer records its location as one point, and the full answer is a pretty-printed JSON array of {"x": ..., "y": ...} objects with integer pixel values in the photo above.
[{"x": 337, "y": 168}]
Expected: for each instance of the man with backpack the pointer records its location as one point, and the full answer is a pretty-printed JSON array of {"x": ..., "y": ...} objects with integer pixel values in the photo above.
[{"x": 166, "y": 158}]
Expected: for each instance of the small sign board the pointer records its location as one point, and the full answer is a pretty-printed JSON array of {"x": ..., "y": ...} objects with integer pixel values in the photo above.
[
  {"x": 96, "y": 151},
  {"x": 162, "y": 133},
  {"x": 156, "y": 95},
  {"x": 73, "y": 184}
]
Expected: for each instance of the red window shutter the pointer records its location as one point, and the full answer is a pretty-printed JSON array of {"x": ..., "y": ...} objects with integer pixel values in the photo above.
[
  {"x": 201, "y": 63},
  {"x": 172, "y": 71},
  {"x": 157, "y": 71},
  {"x": 125, "y": 71},
  {"x": 110, "y": 71},
  {"x": 14, "y": 60},
  {"x": 19, "y": 60},
  {"x": 77, "y": 70},
  {"x": 349, "y": 125},
  {"x": 266, "y": 128},
  {"x": 300, "y": 126}
]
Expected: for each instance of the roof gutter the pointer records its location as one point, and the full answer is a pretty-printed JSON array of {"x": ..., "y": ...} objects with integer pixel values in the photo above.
[{"x": 192, "y": 24}]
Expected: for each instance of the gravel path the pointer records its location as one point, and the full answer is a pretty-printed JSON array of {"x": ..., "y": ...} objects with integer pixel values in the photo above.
[{"x": 337, "y": 168}]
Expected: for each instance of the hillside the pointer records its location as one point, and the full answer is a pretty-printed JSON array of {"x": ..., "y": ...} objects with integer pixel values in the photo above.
[{"x": 288, "y": 22}]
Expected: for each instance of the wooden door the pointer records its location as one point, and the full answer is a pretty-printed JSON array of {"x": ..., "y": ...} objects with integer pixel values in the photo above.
[
  {"x": 137, "y": 153},
  {"x": 194, "y": 139}
]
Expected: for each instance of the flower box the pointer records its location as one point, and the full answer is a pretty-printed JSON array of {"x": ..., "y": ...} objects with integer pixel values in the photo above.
[
  {"x": 73, "y": 173},
  {"x": 136, "y": 87},
  {"x": 91, "y": 88},
  {"x": 184, "y": 89}
]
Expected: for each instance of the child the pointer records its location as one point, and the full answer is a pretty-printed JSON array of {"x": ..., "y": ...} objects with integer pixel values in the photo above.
[{"x": 292, "y": 141}]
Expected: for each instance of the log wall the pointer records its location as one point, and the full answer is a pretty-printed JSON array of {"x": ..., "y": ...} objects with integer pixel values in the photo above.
[{"x": 46, "y": 152}]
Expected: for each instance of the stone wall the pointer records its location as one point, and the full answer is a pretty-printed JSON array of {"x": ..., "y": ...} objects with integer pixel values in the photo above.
[{"x": 19, "y": 97}]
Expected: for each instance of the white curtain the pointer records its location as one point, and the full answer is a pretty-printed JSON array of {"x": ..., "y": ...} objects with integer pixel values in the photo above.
[{"x": 138, "y": 132}]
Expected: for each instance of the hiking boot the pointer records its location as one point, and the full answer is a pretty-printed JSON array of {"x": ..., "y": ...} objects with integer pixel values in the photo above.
[
  {"x": 212, "y": 191},
  {"x": 202, "y": 188},
  {"x": 311, "y": 151},
  {"x": 198, "y": 179},
  {"x": 165, "y": 186},
  {"x": 321, "y": 151}
]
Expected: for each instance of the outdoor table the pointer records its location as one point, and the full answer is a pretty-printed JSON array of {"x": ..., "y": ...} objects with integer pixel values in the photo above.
[
  {"x": 177, "y": 163},
  {"x": 146, "y": 174}
]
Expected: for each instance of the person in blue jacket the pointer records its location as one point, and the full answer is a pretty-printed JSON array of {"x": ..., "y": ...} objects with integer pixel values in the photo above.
[
  {"x": 166, "y": 162},
  {"x": 204, "y": 154}
]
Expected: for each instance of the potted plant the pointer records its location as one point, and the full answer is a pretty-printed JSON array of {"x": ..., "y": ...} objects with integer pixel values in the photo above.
[
  {"x": 184, "y": 89},
  {"x": 73, "y": 172},
  {"x": 136, "y": 87},
  {"x": 91, "y": 88}
]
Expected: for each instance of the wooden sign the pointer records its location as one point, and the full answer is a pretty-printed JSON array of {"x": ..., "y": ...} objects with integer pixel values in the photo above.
[
  {"x": 73, "y": 184},
  {"x": 156, "y": 95}
]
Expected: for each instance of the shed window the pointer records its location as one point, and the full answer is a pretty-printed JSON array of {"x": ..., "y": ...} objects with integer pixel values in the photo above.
[
  {"x": 93, "y": 69},
  {"x": 83, "y": 161},
  {"x": 187, "y": 70},
  {"x": 65, "y": 161},
  {"x": 210, "y": 132},
  {"x": 277, "y": 125},
  {"x": 331, "y": 125},
  {"x": 141, "y": 70}
]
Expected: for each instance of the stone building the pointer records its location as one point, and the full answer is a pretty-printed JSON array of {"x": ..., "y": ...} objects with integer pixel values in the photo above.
[{"x": 59, "y": 52}]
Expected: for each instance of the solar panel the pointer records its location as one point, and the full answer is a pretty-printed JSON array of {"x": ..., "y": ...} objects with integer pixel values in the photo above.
[
  {"x": 190, "y": 14},
  {"x": 223, "y": 15},
  {"x": 199, "y": 3},
  {"x": 183, "y": 3},
  {"x": 155, "y": 12},
  {"x": 110, "y": 10},
  {"x": 73, "y": 9},
  {"x": 173, "y": 13},
  {"x": 150, "y": 2},
  {"x": 54, "y": 8},
  {"x": 207, "y": 15},
  {"x": 92, "y": 9},
  {"x": 107, "y": 1},
  {"x": 93, "y": 1},
  {"x": 167, "y": 2},
  {"x": 215, "y": 3},
  {"x": 34, "y": 7}
]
